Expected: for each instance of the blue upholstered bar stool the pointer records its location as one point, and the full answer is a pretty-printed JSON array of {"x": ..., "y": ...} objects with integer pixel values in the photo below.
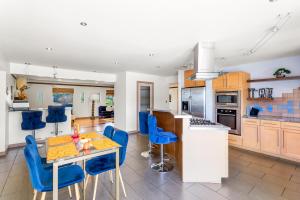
[
  {"x": 160, "y": 138},
  {"x": 32, "y": 120},
  {"x": 56, "y": 114},
  {"x": 144, "y": 130}
]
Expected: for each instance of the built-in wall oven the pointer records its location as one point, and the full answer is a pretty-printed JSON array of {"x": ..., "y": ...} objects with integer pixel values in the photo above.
[{"x": 228, "y": 110}]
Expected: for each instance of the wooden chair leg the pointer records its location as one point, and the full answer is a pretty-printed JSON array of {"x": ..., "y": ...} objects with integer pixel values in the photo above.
[
  {"x": 95, "y": 187},
  {"x": 111, "y": 176},
  {"x": 43, "y": 196},
  {"x": 77, "y": 193},
  {"x": 70, "y": 192},
  {"x": 122, "y": 183},
  {"x": 34, "y": 194},
  {"x": 87, "y": 180}
]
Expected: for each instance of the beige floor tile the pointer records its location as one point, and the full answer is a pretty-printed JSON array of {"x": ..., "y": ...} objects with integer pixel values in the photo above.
[
  {"x": 275, "y": 180},
  {"x": 291, "y": 195},
  {"x": 271, "y": 188},
  {"x": 260, "y": 194},
  {"x": 295, "y": 178},
  {"x": 293, "y": 186}
]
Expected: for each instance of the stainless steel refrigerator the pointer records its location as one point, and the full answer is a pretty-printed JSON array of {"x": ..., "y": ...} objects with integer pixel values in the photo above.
[{"x": 193, "y": 101}]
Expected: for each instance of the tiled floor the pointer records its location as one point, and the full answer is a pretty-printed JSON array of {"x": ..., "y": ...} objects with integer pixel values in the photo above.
[{"x": 251, "y": 177}]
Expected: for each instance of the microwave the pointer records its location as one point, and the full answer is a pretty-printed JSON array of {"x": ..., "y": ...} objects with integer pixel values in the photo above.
[{"x": 228, "y": 98}]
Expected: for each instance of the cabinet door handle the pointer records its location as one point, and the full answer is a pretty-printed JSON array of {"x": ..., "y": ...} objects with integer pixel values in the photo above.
[
  {"x": 278, "y": 138},
  {"x": 257, "y": 134},
  {"x": 283, "y": 139}
]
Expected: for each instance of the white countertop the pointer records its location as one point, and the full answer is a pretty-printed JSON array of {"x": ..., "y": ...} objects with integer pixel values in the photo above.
[
  {"x": 176, "y": 114},
  {"x": 202, "y": 127}
]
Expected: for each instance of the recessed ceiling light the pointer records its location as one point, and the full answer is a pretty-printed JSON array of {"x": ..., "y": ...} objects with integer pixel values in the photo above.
[
  {"x": 116, "y": 62},
  {"x": 83, "y": 23},
  {"x": 158, "y": 67},
  {"x": 151, "y": 54},
  {"x": 27, "y": 63},
  {"x": 272, "y": 1},
  {"x": 49, "y": 48}
]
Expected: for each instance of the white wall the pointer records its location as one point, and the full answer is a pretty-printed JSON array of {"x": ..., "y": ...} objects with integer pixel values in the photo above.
[
  {"x": 120, "y": 101},
  {"x": 265, "y": 69},
  {"x": 79, "y": 109},
  {"x": 126, "y": 97},
  {"x": 3, "y": 104}
]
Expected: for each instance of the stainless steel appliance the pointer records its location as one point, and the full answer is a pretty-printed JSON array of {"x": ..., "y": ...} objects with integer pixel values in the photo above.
[
  {"x": 193, "y": 101},
  {"x": 228, "y": 98},
  {"x": 228, "y": 111}
]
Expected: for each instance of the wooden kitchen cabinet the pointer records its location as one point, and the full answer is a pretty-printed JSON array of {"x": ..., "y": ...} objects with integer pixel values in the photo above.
[
  {"x": 270, "y": 139},
  {"x": 191, "y": 83},
  {"x": 291, "y": 143},
  {"x": 251, "y": 136},
  {"x": 250, "y": 133},
  {"x": 231, "y": 81}
]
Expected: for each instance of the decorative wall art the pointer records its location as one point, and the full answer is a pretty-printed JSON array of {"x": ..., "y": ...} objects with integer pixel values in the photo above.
[{"x": 63, "y": 96}]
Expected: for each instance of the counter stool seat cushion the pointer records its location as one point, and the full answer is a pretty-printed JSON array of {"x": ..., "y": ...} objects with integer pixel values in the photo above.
[
  {"x": 163, "y": 138},
  {"x": 56, "y": 114}
]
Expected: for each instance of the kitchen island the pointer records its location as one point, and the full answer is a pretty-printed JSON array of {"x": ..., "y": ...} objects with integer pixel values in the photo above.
[
  {"x": 201, "y": 152},
  {"x": 16, "y": 136}
]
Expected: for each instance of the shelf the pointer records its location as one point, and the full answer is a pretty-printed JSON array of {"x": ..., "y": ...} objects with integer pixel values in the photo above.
[
  {"x": 274, "y": 79},
  {"x": 260, "y": 99}
]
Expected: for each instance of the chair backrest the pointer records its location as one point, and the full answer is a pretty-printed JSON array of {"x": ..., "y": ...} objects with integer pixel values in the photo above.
[
  {"x": 121, "y": 137},
  {"x": 152, "y": 124},
  {"x": 109, "y": 131},
  {"x": 35, "y": 167},
  {"x": 56, "y": 114},
  {"x": 31, "y": 120},
  {"x": 143, "y": 122},
  {"x": 30, "y": 140}
]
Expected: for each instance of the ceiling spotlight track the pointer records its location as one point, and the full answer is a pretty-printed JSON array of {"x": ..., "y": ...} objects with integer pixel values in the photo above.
[{"x": 281, "y": 21}]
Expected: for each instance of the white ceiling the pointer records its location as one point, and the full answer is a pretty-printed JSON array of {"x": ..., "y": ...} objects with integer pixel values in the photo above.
[{"x": 127, "y": 31}]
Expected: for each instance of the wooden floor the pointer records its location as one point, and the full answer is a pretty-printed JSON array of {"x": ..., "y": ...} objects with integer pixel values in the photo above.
[{"x": 88, "y": 124}]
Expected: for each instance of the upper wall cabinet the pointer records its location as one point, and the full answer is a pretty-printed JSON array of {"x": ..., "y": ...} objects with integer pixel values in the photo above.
[
  {"x": 231, "y": 81},
  {"x": 191, "y": 83}
]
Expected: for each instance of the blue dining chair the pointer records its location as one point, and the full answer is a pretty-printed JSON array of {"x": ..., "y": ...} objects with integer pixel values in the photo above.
[
  {"x": 56, "y": 114},
  {"x": 42, "y": 179},
  {"x": 99, "y": 165},
  {"x": 109, "y": 131},
  {"x": 30, "y": 140},
  {"x": 160, "y": 138}
]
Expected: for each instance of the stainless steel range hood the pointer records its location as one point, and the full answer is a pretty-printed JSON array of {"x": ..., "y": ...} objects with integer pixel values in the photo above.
[{"x": 204, "y": 62}]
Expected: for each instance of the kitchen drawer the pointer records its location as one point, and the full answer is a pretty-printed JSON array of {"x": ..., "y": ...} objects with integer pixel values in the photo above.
[
  {"x": 269, "y": 123},
  {"x": 234, "y": 139},
  {"x": 290, "y": 125},
  {"x": 251, "y": 121}
]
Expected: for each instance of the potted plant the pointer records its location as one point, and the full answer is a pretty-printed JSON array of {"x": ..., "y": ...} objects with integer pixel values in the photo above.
[{"x": 281, "y": 72}]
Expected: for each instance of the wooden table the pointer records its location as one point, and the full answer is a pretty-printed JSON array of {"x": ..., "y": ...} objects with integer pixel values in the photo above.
[{"x": 60, "y": 151}]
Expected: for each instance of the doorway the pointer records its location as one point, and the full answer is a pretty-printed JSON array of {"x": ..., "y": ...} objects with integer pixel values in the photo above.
[{"x": 145, "y": 98}]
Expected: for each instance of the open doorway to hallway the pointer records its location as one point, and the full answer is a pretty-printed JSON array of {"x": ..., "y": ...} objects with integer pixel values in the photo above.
[{"x": 145, "y": 98}]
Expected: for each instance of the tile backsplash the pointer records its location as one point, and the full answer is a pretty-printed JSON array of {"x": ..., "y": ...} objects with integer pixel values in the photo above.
[{"x": 286, "y": 106}]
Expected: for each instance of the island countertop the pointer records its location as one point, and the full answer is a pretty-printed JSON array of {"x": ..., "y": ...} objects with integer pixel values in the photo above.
[{"x": 178, "y": 115}]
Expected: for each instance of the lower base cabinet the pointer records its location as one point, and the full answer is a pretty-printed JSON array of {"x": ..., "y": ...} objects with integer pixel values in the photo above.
[
  {"x": 291, "y": 143},
  {"x": 270, "y": 140},
  {"x": 281, "y": 139}
]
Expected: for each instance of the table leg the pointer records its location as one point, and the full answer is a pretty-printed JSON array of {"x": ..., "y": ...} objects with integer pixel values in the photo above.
[
  {"x": 55, "y": 181},
  {"x": 84, "y": 180},
  {"x": 117, "y": 175}
]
